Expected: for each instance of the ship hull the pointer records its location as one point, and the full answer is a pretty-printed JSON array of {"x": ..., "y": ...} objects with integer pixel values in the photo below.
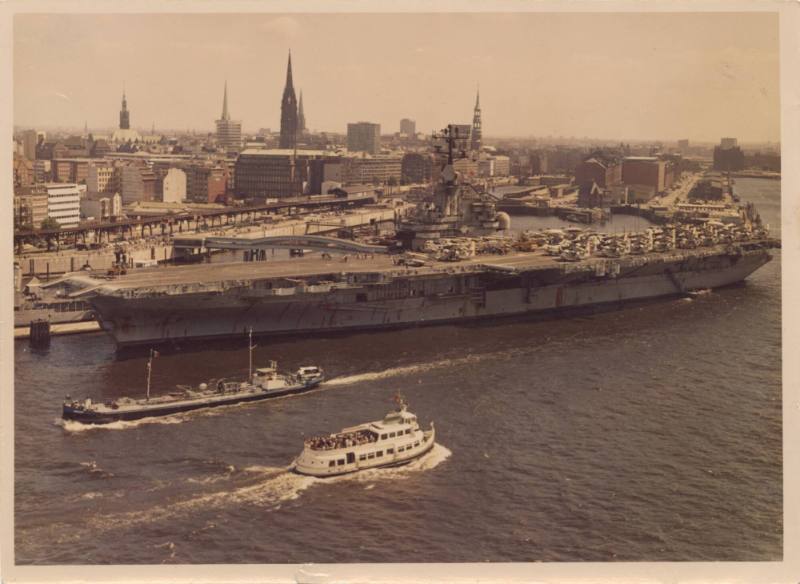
[
  {"x": 89, "y": 417},
  {"x": 351, "y": 469},
  {"x": 444, "y": 298}
]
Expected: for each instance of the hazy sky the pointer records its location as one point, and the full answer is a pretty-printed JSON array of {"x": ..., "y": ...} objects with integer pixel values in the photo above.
[{"x": 635, "y": 76}]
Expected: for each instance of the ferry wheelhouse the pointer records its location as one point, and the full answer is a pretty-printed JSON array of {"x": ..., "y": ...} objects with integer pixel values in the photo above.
[{"x": 395, "y": 440}]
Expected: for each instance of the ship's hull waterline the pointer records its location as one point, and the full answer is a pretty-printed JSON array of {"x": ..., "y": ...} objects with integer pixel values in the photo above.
[
  {"x": 412, "y": 301},
  {"x": 89, "y": 417}
]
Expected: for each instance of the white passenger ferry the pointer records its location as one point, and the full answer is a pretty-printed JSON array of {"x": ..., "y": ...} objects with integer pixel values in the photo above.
[{"x": 393, "y": 441}]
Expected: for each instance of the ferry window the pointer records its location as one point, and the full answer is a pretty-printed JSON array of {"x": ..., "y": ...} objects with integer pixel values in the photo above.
[
  {"x": 416, "y": 443},
  {"x": 384, "y": 436},
  {"x": 341, "y": 461},
  {"x": 391, "y": 434},
  {"x": 362, "y": 457},
  {"x": 408, "y": 430},
  {"x": 379, "y": 453},
  {"x": 371, "y": 455},
  {"x": 332, "y": 463},
  {"x": 390, "y": 451},
  {"x": 401, "y": 449}
]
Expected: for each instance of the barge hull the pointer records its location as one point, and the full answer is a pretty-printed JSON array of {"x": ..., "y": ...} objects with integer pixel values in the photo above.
[{"x": 168, "y": 410}]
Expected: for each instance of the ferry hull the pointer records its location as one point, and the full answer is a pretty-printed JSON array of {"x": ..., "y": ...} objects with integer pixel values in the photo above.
[
  {"x": 90, "y": 417},
  {"x": 445, "y": 298},
  {"x": 392, "y": 464}
]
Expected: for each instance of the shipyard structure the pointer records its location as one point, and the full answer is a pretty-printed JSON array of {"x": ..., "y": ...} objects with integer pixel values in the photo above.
[{"x": 457, "y": 265}]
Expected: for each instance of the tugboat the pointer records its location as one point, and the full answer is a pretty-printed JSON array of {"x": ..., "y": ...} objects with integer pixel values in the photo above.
[
  {"x": 264, "y": 383},
  {"x": 393, "y": 441}
]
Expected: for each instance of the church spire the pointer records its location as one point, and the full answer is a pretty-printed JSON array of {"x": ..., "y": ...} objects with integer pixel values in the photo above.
[
  {"x": 225, "y": 115},
  {"x": 476, "y": 134},
  {"x": 289, "y": 127},
  {"x": 289, "y": 72},
  {"x": 301, "y": 116},
  {"x": 124, "y": 114}
]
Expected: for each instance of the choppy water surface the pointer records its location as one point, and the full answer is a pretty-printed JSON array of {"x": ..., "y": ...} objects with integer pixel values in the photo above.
[{"x": 651, "y": 433}]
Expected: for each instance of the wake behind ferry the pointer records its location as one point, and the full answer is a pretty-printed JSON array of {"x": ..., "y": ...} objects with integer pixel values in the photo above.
[
  {"x": 263, "y": 383},
  {"x": 394, "y": 441}
]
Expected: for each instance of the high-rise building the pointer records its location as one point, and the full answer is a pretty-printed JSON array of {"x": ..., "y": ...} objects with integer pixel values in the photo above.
[
  {"x": 301, "y": 116},
  {"x": 124, "y": 114},
  {"x": 477, "y": 133},
  {"x": 29, "y": 140},
  {"x": 408, "y": 127},
  {"x": 683, "y": 145},
  {"x": 364, "y": 137},
  {"x": 288, "y": 112},
  {"x": 229, "y": 132},
  {"x": 727, "y": 143}
]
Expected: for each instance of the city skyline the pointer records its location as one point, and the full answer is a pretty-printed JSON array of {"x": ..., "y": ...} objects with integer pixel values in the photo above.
[{"x": 681, "y": 77}]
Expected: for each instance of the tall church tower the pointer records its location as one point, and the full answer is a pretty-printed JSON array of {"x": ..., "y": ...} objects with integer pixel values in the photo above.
[
  {"x": 229, "y": 132},
  {"x": 124, "y": 114},
  {"x": 225, "y": 115},
  {"x": 475, "y": 138},
  {"x": 288, "y": 112},
  {"x": 301, "y": 117}
]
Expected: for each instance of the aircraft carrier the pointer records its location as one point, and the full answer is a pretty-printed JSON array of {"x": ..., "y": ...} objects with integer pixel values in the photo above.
[{"x": 494, "y": 277}]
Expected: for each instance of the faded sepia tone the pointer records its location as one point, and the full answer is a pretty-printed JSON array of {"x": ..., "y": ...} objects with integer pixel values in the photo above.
[
  {"x": 555, "y": 238},
  {"x": 613, "y": 76}
]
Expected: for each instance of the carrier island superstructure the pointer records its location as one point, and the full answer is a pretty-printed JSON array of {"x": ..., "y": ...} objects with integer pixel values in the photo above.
[{"x": 460, "y": 270}]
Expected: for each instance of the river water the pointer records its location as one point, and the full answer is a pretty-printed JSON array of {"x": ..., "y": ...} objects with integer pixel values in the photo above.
[{"x": 649, "y": 433}]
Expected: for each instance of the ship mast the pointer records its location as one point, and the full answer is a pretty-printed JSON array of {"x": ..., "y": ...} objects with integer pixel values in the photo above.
[
  {"x": 149, "y": 371},
  {"x": 250, "y": 348}
]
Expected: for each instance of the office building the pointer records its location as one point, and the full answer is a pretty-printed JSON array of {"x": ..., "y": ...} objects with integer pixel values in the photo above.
[
  {"x": 364, "y": 137},
  {"x": 416, "y": 167},
  {"x": 277, "y": 173},
  {"x": 64, "y": 203},
  {"x": 137, "y": 183},
  {"x": 206, "y": 182},
  {"x": 408, "y": 127},
  {"x": 102, "y": 179},
  {"x": 70, "y": 170},
  {"x": 30, "y": 207},
  {"x": 29, "y": 140}
]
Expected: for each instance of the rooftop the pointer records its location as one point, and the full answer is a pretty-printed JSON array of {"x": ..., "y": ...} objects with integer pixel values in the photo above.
[{"x": 285, "y": 152}]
